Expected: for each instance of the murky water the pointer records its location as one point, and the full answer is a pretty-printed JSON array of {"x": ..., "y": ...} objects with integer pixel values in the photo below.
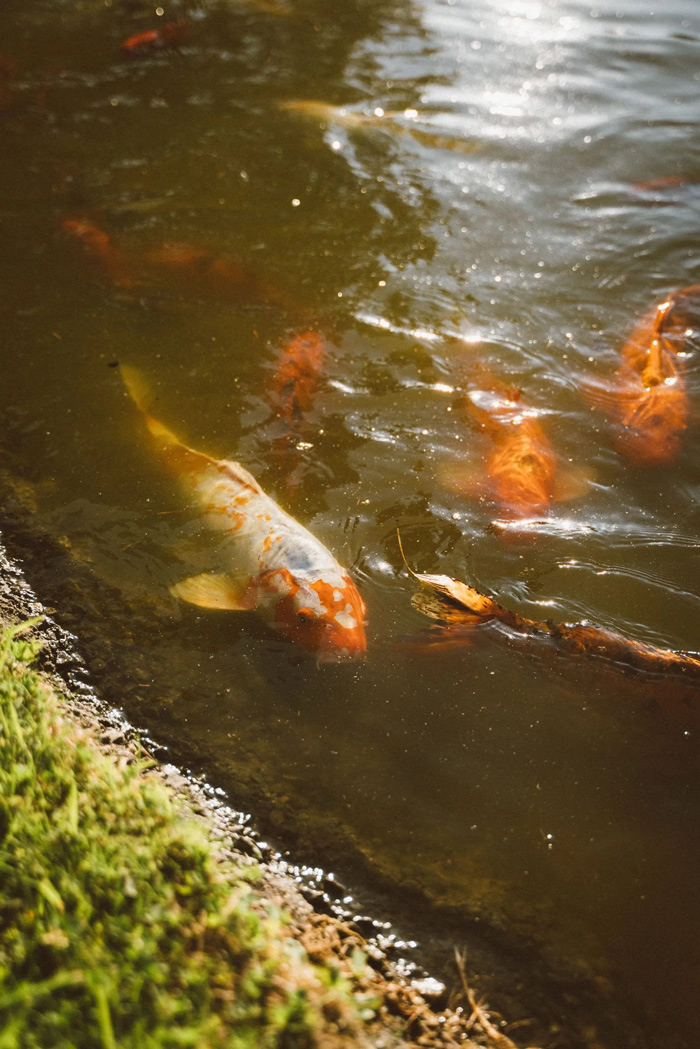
[{"x": 474, "y": 208}]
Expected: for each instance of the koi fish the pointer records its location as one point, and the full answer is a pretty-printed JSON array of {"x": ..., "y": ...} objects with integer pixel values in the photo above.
[
  {"x": 98, "y": 245},
  {"x": 461, "y": 608},
  {"x": 207, "y": 273},
  {"x": 168, "y": 35},
  {"x": 195, "y": 270},
  {"x": 649, "y": 398},
  {"x": 396, "y": 122},
  {"x": 297, "y": 376},
  {"x": 273, "y": 565},
  {"x": 521, "y": 473},
  {"x": 666, "y": 182},
  {"x": 667, "y": 190}
]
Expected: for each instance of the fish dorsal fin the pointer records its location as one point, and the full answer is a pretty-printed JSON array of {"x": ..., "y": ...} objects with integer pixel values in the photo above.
[
  {"x": 213, "y": 591},
  {"x": 240, "y": 474}
]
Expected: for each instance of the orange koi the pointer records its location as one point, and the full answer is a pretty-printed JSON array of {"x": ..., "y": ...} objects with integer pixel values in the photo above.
[
  {"x": 521, "y": 472},
  {"x": 297, "y": 376},
  {"x": 667, "y": 182},
  {"x": 196, "y": 271},
  {"x": 168, "y": 35},
  {"x": 207, "y": 273},
  {"x": 271, "y": 564},
  {"x": 649, "y": 399},
  {"x": 98, "y": 245},
  {"x": 669, "y": 190}
]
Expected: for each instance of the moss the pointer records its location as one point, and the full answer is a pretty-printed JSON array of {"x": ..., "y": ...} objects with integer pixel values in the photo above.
[{"x": 118, "y": 926}]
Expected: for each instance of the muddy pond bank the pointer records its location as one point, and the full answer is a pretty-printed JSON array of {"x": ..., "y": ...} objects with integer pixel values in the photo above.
[
  {"x": 291, "y": 976},
  {"x": 333, "y": 890}
]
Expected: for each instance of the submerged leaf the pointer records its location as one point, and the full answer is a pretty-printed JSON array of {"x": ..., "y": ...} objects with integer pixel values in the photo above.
[
  {"x": 459, "y": 605},
  {"x": 458, "y": 601},
  {"x": 453, "y": 601},
  {"x": 434, "y": 605}
]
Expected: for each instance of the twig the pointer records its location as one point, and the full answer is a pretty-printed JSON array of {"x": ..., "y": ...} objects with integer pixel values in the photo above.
[
  {"x": 479, "y": 1014},
  {"x": 403, "y": 558}
]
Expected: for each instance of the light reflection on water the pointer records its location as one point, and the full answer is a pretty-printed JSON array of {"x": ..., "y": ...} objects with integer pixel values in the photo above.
[{"x": 552, "y": 799}]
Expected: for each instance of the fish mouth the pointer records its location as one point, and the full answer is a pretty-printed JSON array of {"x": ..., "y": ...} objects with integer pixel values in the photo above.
[{"x": 340, "y": 655}]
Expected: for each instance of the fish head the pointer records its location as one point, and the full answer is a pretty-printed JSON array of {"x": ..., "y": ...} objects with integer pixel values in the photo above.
[{"x": 323, "y": 617}]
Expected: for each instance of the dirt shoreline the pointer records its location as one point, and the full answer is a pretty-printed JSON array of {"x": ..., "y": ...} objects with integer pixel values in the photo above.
[{"x": 415, "y": 1009}]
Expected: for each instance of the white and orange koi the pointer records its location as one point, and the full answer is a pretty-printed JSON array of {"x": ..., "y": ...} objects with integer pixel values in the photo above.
[{"x": 273, "y": 565}]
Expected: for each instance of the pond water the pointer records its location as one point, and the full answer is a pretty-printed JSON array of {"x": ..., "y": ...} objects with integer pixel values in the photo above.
[{"x": 445, "y": 191}]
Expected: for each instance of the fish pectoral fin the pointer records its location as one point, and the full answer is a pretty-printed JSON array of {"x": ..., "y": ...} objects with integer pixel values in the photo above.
[
  {"x": 572, "y": 483},
  {"x": 213, "y": 591}
]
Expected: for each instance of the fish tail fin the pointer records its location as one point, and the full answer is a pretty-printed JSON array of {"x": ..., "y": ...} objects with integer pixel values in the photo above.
[
  {"x": 136, "y": 387},
  {"x": 138, "y": 391}
]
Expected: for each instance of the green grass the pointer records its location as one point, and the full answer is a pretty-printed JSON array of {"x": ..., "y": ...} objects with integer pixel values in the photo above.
[{"x": 118, "y": 927}]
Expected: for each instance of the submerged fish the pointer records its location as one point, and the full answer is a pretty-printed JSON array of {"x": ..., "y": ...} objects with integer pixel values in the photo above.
[
  {"x": 297, "y": 376},
  {"x": 396, "y": 122},
  {"x": 170, "y": 34},
  {"x": 669, "y": 190},
  {"x": 177, "y": 267},
  {"x": 205, "y": 273},
  {"x": 649, "y": 397},
  {"x": 98, "y": 245},
  {"x": 273, "y": 565},
  {"x": 521, "y": 473}
]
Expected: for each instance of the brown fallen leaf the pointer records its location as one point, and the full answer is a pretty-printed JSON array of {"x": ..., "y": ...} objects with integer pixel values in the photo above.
[{"x": 459, "y": 605}]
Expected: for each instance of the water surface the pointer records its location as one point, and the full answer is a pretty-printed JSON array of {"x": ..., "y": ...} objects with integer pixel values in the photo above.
[{"x": 494, "y": 222}]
